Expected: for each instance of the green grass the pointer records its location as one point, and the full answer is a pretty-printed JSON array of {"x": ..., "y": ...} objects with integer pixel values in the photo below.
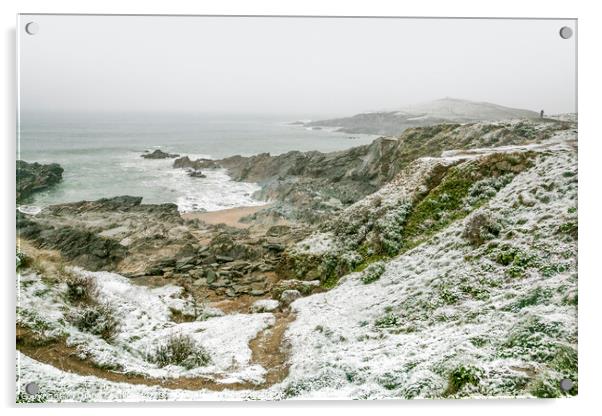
[
  {"x": 516, "y": 261},
  {"x": 180, "y": 350},
  {"x": 373, "y": 272},
  {"x": 370, "y": 236},
  {"x": 537, "y": 296},
  {"x": 569, "y": 228},
  {"x": 389, "y": 320},
  {"x": 461, "y": 376}
]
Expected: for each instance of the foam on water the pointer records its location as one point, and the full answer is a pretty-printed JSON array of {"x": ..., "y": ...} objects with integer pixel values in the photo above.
[
  {"x": 214, "y": 192},
  {"x": 101, "y": 155}
]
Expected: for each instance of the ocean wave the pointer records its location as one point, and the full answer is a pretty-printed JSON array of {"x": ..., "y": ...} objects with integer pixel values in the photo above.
[
  {"x": 160, "y": 182},
  {"x": 215, "y": 192}
]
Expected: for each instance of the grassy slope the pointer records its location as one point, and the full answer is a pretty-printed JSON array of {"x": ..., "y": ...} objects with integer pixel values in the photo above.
[
  {"x": 451, "y": 319},
  {"x": 434, "y": 313}
]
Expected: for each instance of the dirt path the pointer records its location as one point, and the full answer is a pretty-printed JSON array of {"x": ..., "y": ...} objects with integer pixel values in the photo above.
[{"x": 268, "y": 350}]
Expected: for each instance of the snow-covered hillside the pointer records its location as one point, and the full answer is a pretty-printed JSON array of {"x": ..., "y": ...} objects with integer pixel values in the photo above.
[
  {"x": 444, "y": 110},
  {"x": 500, "y": 318},
  {"x": 454, "y": 109},
  {"x": 450, "y": 289}
]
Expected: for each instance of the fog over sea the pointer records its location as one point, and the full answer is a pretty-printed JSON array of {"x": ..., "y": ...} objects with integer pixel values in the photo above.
[{"x": 101, "y": 154}]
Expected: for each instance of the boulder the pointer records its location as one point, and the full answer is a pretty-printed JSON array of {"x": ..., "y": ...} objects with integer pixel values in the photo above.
[
  {"x": 303, "y": 287},
  {"x": 289, "y": 296},
  {"x": 196, "y": 174},
  {"x": 264, "y": 305}
]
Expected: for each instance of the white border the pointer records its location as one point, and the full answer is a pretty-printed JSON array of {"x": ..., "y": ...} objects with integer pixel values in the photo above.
[{"x": 590, "y": 126}]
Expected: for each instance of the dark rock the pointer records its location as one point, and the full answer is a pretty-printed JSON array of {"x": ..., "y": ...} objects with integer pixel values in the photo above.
[
  {"x": 211, "y": 276},
  {"x": 117, "y": 203},
  {"x": 35, "y": 177},
  {"x": 274, "y": 247},
  {"x": 158, "y": 154},
  {"x": 184, "y": 261},
  {"x": 166, "y": 263},
  {"x": 185, "y": 267},
  {"x": 186, "y": 163},
  {"x": 196, "y": 174},
  {"x": 84, "y": 248}
]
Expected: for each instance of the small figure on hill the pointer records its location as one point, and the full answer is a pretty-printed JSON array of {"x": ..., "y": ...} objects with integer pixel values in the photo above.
[{"x": 541, "y": 114}]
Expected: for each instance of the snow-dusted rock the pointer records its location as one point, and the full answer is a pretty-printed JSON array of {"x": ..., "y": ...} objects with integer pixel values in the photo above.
[
  {"x": 264, "y": 305},
  {"x": 289, "y": 296}
]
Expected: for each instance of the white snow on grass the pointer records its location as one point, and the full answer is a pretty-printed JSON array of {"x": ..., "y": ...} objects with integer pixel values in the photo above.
[
  {"x": 317, "y": 243},
  {"x": 61, "y": 386},
  {"x": 402, "y": 335},
  {"x": 144, "y": 317},
  {"x": 444, "y": 307}
]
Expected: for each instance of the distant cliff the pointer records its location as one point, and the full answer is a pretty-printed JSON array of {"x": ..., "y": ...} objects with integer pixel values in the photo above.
[{"x": 445, "y": 110}]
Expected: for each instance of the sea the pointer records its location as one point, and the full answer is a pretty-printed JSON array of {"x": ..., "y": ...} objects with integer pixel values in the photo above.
[{"x": 101, "y": 154}]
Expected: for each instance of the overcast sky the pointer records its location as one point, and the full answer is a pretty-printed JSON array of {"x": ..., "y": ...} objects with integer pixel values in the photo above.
[{"x": 291, "y": 65}]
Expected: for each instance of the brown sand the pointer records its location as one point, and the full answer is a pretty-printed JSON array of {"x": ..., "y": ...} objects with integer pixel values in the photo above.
[{"x": 230, "y": 217}]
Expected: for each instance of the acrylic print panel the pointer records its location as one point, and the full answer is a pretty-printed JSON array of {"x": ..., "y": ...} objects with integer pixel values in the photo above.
[{"x": 267, "y": 208}]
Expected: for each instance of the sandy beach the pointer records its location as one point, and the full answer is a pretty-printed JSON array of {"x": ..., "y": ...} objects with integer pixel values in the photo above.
[{"x": 230, "y": 217}]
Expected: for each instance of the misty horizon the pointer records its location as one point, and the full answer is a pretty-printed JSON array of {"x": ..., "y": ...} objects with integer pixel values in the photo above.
[
  {"x": 324, "y": 67},
  {"x": 234, "y": 114}
]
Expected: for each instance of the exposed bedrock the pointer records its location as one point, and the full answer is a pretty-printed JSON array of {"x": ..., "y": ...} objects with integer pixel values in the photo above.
[
  {"x": 159, "y": 154},
  {"x": 310, "y": 186},
  {"x": 35, "y": 177}
]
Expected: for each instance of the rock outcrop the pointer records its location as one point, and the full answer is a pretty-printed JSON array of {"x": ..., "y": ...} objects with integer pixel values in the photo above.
[
  {"x": 185, "y": 162},
  {"x": 35, "y": 177},
  {"x": 152, "y": 240},
  {"x": 311, "y": 186},
  {"x": 159, "y": 154}
]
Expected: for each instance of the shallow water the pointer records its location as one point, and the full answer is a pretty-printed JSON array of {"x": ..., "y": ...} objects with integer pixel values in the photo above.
[{"x": 101, "y": 154}]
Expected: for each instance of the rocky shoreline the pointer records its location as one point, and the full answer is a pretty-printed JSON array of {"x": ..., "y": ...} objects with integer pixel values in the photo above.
[
  {"x": 308, "y": 192},
  {"x": 36, "y": 177},
  {"x": 310, "y": 186},
  {"x": 336, "y": 224}
]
